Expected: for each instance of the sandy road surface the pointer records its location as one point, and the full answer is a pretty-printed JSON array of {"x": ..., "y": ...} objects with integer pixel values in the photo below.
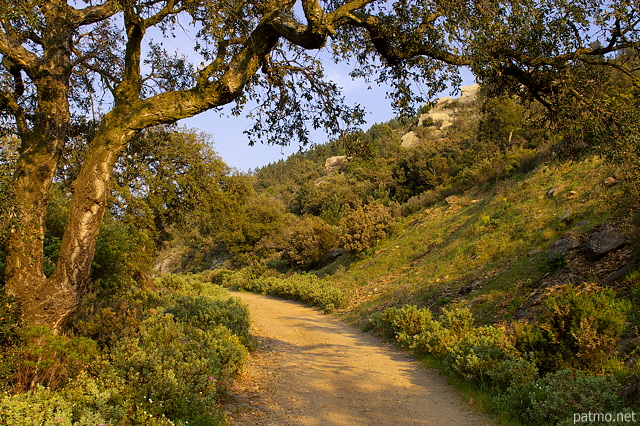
[{"x": 312, "y": 369}]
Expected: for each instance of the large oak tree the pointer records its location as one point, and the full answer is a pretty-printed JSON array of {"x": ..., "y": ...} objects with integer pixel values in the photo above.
[{"x": 66, "y": 59}]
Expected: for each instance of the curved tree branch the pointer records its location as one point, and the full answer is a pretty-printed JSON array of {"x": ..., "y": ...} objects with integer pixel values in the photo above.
[
  {"x": 19, "y": 55},
  {"x": 93, "y": 14},
  {"x": 395, "y": 51}
]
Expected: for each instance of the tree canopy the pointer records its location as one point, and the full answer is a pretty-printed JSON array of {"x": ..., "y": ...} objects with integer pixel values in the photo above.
[{"x": 66, "y": 61}]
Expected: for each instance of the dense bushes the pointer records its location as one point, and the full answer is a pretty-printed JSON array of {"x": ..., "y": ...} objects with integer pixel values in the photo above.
[
  {"x": 178, "y": 370},
  {"x": 364, "y": 227},
  {"x": 168, "y": 361},
  {"x": 557, "y": 396},
  {"x": 307, "y": 241},
  {"x": 540, "y": 372},
  {"x": 302, "y": 287},
  {"x": 577, "y": 330}
]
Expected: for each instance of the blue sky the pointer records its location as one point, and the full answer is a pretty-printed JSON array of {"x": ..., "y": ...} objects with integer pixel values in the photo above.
[
  {"x": 232, "y": 144},
  {"x": 227, "y": 132}
]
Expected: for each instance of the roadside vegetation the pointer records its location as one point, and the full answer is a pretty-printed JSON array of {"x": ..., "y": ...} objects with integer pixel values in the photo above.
[
  {"x": 164, "y": 354},
  {"x": 479, "y": 246}
]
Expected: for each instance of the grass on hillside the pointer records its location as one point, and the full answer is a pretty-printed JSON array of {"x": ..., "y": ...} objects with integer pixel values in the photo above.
[{"x": 492, "y": 242}]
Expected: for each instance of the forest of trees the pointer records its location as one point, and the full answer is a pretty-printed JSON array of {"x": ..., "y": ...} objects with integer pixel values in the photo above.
[{"x": 97, "y": 180}]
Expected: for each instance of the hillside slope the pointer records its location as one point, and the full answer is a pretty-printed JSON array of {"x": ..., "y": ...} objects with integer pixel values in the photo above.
[{"x": 491, "y": 249}]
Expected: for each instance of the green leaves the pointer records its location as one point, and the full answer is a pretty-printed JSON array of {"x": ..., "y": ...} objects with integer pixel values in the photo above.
[
  {"x": 165, "y": 175},
  {"x": 294, "y": 95}
]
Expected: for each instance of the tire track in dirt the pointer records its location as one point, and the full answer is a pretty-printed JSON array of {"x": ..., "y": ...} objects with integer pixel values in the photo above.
[{"x": 312, "y": 369}]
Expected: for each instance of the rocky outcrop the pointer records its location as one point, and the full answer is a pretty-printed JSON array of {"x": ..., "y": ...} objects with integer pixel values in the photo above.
[
  {"x": 602, "y": 242},
  {"x": 337, "y": 163},
  {"x": 562, "y": 246},
  {"x": 441, "y": 116},
  {"x": 410, "y": 140}
]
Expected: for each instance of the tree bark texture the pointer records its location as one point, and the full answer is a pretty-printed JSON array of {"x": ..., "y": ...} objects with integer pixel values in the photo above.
[{"x": 51, "y": 300}]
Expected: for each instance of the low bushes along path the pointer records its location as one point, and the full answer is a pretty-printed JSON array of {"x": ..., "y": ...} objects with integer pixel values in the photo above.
[{"x": 312, "y": 369}]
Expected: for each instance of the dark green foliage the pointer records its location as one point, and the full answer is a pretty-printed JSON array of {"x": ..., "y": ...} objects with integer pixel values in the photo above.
[
  {"x": 578, "y": 330},
  {"x": 9, "y": 320},
  {"x": 123, "y": 255},
  {"x": 307, "y": 240},
  {"x": 365, "y": 227},
  {"x": 306, "y": 288},
  {"x": 555, "y": 263},
  {"x": 497, "y": 361},
  {"x": 483, "y": 145},
  {"x": 556, "y": 397},
  {"x": 123, "y": 251},
  {"x": 502, "y": 122},
  {"x": 330, "y": 198},
  {"x": 51, "y": 360},
  {"x": 175, "y": 369},
  {"x": 408, "y": 320},
  {"x": 512, "y": 372},
  {"x": 205, "y": 313},
  {"x": 166, "y": 357},
  {"x": 257, "y": 220},
  {"x": 105, "y": 318},
  {"x": 8, "y": 151},
  {"x": 480, "y": 350},
  {"x": 10, "y": 339}
]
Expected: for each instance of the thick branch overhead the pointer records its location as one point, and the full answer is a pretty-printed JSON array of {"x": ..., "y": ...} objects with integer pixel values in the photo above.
[{"x": 130, "y": 65}]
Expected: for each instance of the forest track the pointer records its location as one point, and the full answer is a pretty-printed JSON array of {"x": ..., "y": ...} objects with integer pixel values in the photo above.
[{"x": 312, "y": 369}]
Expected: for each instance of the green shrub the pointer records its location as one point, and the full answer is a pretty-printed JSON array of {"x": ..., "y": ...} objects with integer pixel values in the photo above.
[
  {"x": 408, "y": 324},
  {"x": 38, "y": 407},
  {"x": 236, "y": 280},
  {"x": 578, "y": 330},
  {"x": 458, "y": 320},
  {"x": 478, "y": 351},
  {"x": 364, "y": 227},
  {"x": 86, "y": 401},
  {"x": 443, "y": 335},
  {"x": 305, "y": 288},
  {"x": 408, "y": 320},
  {"x": 307, "y": 241},
  {"x": 9, "y": 320},
  {"x": 10, "y": 339},
  {"x": 169, "y": 355},
  {"x": 437, "y": 340},
  {"x": 557, "y": 396},
  {"x": 204, "y": 313},
  {"x": 173, "y": 351},
  {"x": 108, "y": 317},
  {"x": 513, "y": 371},
  {"x": 106, "y": 396},
  {"x": 190, "y": 285},
  {"x": 414, "y": 328},
  {"x": 219, "y": 276},
  {"x": 178, "y": 370},
  {"x": 51, "y": 360}
]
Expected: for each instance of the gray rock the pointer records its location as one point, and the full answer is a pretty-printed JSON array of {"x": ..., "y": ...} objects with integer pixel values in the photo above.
[
  {"x": 562, "y": 246},
  {"x": 332, "y": 255},
  {"x": 451, "y": 200},
  {"x": 603, "y": 242},
  {"x": 335, "y": 164},
  {"x": 553, "y": 192},
  {"x": 566, "y": 217},
  {"x": 410, "y": 140}
]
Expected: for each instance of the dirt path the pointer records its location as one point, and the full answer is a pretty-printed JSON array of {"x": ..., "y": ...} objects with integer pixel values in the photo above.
[{"x": 312, "y": 369}]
